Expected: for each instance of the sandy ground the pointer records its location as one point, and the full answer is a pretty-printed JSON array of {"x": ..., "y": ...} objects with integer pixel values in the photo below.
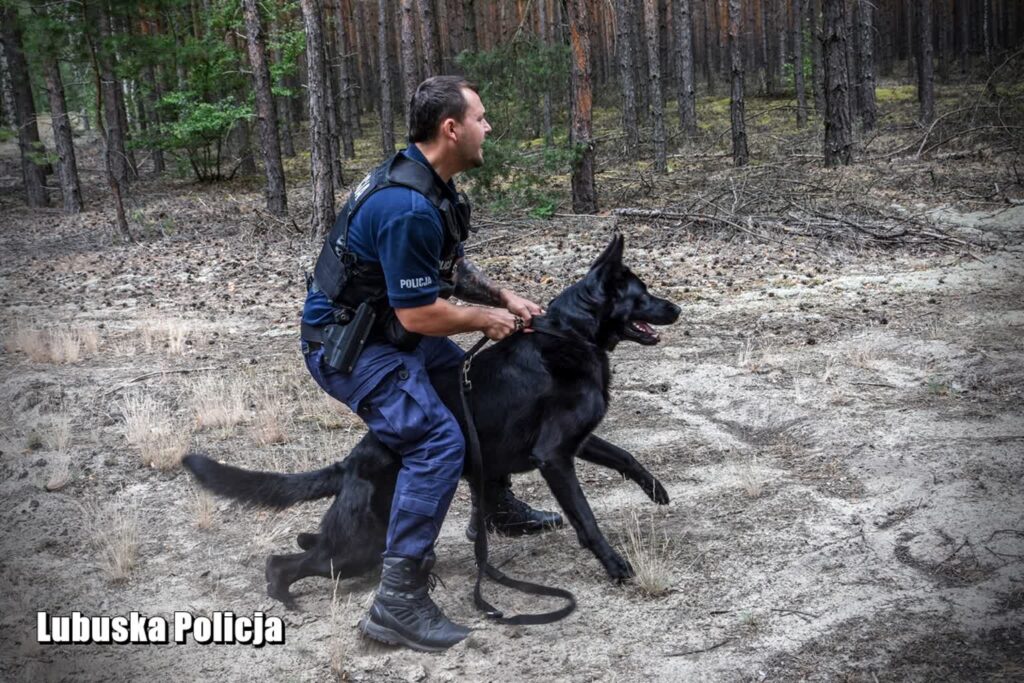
[{"x": 840, "y": 432}]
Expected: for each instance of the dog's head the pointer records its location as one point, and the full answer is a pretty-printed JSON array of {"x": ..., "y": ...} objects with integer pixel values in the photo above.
[{"x": 625, "y": 308}]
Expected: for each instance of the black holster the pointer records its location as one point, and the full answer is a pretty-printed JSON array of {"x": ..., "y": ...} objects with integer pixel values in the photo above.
[{"x": 344, "y": 343}]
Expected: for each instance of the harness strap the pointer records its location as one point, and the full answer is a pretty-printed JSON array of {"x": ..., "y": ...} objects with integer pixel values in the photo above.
[{"x": 480, "y": 544}]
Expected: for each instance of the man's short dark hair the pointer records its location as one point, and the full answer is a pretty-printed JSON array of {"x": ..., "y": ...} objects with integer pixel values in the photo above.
[{"x": 436, "y": 99}]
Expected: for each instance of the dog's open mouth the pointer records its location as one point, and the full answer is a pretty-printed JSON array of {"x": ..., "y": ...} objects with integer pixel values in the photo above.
[{"x": 642, "y": 333}]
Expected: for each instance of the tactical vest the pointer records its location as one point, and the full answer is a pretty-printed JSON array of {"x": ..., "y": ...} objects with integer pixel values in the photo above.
[{"x": 348, "y": 281}]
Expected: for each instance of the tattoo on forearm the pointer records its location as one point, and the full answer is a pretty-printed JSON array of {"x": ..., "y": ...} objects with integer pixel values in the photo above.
[{"x": 473, "y": 286}]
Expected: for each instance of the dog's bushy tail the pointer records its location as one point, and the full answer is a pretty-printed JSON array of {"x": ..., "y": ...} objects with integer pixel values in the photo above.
[{"x": 267, "y": 489}]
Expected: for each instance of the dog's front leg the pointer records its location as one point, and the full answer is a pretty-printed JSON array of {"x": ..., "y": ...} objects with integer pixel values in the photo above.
[
  {"x": 557, "y": 469},
  {"x": 600, "y": 452}
]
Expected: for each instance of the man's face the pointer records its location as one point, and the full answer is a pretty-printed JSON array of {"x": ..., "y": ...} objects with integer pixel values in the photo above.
[{"x": 472, "y": 130}]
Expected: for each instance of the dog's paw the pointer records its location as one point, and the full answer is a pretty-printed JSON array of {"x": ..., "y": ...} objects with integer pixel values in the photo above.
[
  {"x": 618, "y": 568},
  {"x": 656, "y": 492}
]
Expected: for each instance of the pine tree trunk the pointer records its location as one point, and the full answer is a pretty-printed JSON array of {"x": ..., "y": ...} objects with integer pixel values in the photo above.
[
  {"x": 913, "y": 57},
  {"x": 266, "y": 114},
  {"x": 710, "y": 56},
  {"x": 654, "y": 82},
  {"x": 926, "y": 82},
  {"x": 429, "y": 38},
  {"x": 817, "y": 70},
  {"x": 31, "y": 149},
  {"x": 740, "y": 155},
  {"x": 113, "y": 103},
  {"x": 349, "y": 110},
  {"x": 68, "y": 169},
  {"x": 319, "y": 134},
  {"x": 866, "y": 63},
  {"x": 682, "y": 22},
  {"x": 584, "y": 194},
  {"x": 153, "y": 94},
  {"x": 545, "y": 38},
  {"x": 838, "y": 127},
  {"x": 797, "y": 40},
  {"x": 331, "y": 99},
  {"x": 387, "y": 122},
  {"x": 6, "y": 93},
  {"x": 963, "y": 27},
  {"x": 410, "y": 72},
  {"x": 469, "y": 40},
  {"x": 623, "y": 45}
]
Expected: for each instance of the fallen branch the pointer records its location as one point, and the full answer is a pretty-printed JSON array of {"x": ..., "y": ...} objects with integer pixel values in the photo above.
[
  {"x": 709, "y": 648},
  {"x": 154, "y": 374}
]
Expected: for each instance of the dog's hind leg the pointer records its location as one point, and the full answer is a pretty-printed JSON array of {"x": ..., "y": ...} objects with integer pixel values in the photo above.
[{"x": 600, "y": 452}]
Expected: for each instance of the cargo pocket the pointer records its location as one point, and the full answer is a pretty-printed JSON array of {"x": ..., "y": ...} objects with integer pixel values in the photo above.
[{"x": 404, "y": 419}]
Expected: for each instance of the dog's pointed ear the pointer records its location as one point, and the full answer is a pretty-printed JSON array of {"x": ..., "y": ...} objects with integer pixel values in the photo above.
[{"x": 612, "y": 254}]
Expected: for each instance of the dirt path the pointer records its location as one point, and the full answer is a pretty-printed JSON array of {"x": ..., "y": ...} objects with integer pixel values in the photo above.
[{"x": 840, "y": 434}]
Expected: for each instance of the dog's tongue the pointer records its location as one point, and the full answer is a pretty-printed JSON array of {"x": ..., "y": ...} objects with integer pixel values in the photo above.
[{"x": 644, "y": 327}]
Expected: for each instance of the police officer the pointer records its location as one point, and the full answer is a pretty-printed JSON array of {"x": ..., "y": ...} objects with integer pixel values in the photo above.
[{"x": 379, "y": 296}]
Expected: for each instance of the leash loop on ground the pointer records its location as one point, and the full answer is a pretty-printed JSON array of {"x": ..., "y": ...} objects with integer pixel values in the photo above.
[{"x": 480, "y": 543}]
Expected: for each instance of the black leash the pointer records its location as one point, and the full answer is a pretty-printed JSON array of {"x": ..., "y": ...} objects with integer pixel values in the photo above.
[{"x": 480, "y": 544}]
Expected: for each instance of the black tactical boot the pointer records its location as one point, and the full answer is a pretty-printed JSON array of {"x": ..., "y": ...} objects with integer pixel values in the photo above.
[
  {"x": 403, "y": 613},
  {"x": 509, "y": 516}
]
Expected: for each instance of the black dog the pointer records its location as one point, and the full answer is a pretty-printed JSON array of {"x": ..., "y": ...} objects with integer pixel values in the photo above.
[{"x": 536, "y": 399}]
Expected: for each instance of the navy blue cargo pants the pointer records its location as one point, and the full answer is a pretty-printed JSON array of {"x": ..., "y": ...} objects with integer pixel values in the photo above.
[{"x": 391, "y": 391}]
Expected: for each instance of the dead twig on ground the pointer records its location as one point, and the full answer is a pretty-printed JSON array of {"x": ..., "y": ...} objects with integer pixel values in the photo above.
[
  {"x": 709, "y": 648},
  {"x": 156, "y": 373}
]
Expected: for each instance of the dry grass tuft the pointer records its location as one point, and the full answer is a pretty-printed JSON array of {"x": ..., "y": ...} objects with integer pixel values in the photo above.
[
  {"x": 652, "y": 555},
  {"x": 339, "y": 646},
  {"x": 271, "y": 530},
  {"x": 203, "y": 505},
  {"x": 89, "y": 338},
  {"x": 60, "y": 474},
  {"x": 218, "y": 403},
  {"x": 114, "y": 531},
  {"x": 31, "y": 341},
  {"x": 170, "y": 334},
  {"x": 60, "y": 431},
  {"x": 272, "y": 419},
  {"x": 162, "y": 443}
]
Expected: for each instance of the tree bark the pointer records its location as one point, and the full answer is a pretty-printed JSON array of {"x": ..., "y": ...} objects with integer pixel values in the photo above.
[
  {"x": 866, "y": 64},
  {"x": 387, "y": 122},
  {"x": 584, "y": 193},
  {"x": 817, "y": 70},
  {"x": 6, "y": 93},
  {"x": 926, "y": 72},
  {"x": 623, "y": 46},
  {"x": 429, "y": 38},
  {"x": 682, "y": 22},
  {"x": 31, "y": 149},
  {"x": 410, "y": 70},
  {"x": 798, "y": 63},
  {"x": 113, "y": 102},
  {"x": 154, "y": 92},
  {"x": 469, "y": 40},
  {"x": 266, "y": 114},
  {"x": 740, "y": 154},
  {"x": 545, "y": 39},
  {"x": 838, "y": 133},
  {"x": 68, "y": 169},
  {"x": 319, "y": 136},
  {"x": 331, "y": 97},
  {"x": 349, "y": 112},
  {"x": 654, "y": 83}
]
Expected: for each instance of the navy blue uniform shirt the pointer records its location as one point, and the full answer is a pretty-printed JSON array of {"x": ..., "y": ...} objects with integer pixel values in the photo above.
[{"x": 400, "y": 229}]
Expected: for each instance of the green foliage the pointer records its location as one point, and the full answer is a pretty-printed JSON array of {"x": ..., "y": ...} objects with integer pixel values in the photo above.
[
  {"x": 195, "y": 131},
  {"x": 519, "y": 166}
]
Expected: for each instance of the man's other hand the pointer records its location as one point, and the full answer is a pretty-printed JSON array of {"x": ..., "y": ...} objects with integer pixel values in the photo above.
[{"x": 524, "y": 308}]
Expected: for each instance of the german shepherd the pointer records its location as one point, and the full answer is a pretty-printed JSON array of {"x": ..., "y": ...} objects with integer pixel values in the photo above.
[{"x": 536, "y": 400}]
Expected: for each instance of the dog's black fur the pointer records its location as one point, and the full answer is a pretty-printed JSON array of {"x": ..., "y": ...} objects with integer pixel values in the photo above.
[{"x": 536, "y": 400}]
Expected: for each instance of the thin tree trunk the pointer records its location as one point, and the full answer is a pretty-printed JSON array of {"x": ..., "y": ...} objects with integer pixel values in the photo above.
[
  {"x": 543, "y": 20},
  {"x": 682, "y": 22},
  {"x": 817, "y": 70},
  {"x": 710, "y": 56},
  {"x": 654, "y": 82},
  {"x": 913, "y": 56},
  {"x": 623, "y": 46},
  {"x": 68, "y": 169},
  {"x": 429, "y": 38},
  {"x": 410, "y": 74},
  {"x": 284, "y": 115},
  {"x": 6, "y": 93},
  {"x": 31, "y": 149},
  {"x": 963, "y": 26},
  {"x": 387, "y": 123},
  {"x": 797, "y": 39},
  {"x": 866, "y": 62},
  {"x": 838, "y": 128},
  {"x": 266, "y": 114},
  {"x": 584, "y": 193},
  {"x": 346, "y": 88},
  {"x": 926, "y": 83},
  {"x": 154, "y": 92},
  {"x": 740, "y": 155},
  {"x": 331, "y": 99},
  {"x": 113, "y": 112},
  {"x": 469, "y": 40},
  {"x": 319, "y": 135}
]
